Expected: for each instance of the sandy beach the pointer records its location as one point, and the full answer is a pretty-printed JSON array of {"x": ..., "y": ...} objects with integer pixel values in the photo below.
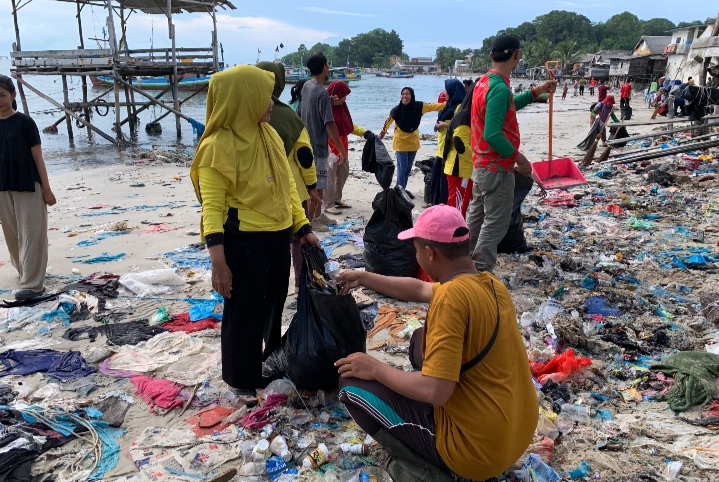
[{"x": 158, "y": 203}]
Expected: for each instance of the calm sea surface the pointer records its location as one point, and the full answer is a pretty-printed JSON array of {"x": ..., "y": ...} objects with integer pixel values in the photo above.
[{"x": 369, "y": 103}]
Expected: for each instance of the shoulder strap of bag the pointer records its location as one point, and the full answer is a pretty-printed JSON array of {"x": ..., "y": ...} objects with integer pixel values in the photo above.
[{"x": 471, "y": 363}]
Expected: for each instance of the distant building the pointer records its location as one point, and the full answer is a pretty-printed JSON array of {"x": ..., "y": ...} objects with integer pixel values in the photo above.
[
  {"x": 415, "y": 67},
  {"x": 394, "y": 59},
  {"x": 421, "y": 59},
  {"x": 687, "y": 43},
  {"x": 646, "y": 62}
]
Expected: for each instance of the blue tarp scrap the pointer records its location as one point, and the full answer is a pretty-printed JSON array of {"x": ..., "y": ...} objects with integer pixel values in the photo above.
[
  {"x": 28, "y": 362},
  {"x": 103, "y": 258},
  {"x": 189, "y": 257},
  {"x": 205, "y": 308},
  {"x": 97, "y": 238},
  {"x": 198, "y": 128},
  {"x": 61, "y": 313}
]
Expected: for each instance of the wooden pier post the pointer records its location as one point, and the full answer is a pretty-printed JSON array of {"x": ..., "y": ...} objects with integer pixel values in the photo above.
[
  {"x": 18, "y": 48},
  {"x": 66, "y": 97},
  {"x": 174, "y": 80},
  {"x": 83, "y": 78},
  {"x": 115, "y": 62}
]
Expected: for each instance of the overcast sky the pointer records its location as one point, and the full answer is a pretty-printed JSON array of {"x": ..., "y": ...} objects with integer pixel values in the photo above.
[{"x": 423, "y": 24}]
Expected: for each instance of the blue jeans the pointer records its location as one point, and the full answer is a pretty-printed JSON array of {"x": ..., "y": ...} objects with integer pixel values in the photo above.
[{"x": 405, "y": 160}]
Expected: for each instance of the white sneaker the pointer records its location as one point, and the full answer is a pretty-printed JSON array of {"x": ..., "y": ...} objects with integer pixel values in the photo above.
[
  {"x": 318, "y": 227},
  {"x": 324, "y": 219}
]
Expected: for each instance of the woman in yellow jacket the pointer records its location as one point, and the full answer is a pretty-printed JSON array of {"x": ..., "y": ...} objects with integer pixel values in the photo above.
[
  {"x": 296, "y": 140},
  {"x": 250, "y": 208},
  {"x": 407, "y": 115},
  {"x": 457, "y": 155}
]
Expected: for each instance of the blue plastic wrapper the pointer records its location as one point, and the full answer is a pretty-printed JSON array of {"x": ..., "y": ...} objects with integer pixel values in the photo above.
[
  {"x": 595, "y": 305},
  {"x": 277, "y": 467},
  {"x": 202, "y": 309},
  {"x": 542, "y": 471}
]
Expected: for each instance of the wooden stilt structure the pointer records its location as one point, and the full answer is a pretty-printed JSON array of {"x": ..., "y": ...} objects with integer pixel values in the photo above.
[{"x": 119, "y": 67}]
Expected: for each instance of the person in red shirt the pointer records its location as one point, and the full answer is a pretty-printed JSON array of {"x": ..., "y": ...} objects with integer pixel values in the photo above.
[
  {"x": 602, "y": 91},
  {"x": 625, "y": 94},
  {"x": 495, "y": 145},
  {"x": 592, "y": 84}
]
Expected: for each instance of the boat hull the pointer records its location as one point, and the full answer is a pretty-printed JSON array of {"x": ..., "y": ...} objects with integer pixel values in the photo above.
[{"x": 155, "y": 83}]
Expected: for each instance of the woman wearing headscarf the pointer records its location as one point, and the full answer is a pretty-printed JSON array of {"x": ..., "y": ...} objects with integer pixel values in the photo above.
[
  {"x": 438, "y": 181},
  {"x": 457, "y": 154},
  {"x": 338, "y": 173},
  {"x": 250, "y": 208},
  {"x": 296, "y": 93},
  {"x": 603, "y": 110},
  {"x": 455, "y": 93},
  {"x": 407, "y": 116},
  {"x": 296, "y": 141}
]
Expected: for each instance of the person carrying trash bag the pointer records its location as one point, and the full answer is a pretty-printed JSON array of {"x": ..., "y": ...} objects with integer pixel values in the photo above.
[
  {"x": 298, "y": 148},
  {"x": 326, "y": 328},
  {"x": 383, "y": 252},
  {"x": 469, "y": 407},
  {"x": 250, "y": 208}
]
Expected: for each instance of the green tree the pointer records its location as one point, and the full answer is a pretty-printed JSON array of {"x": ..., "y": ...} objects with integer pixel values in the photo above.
[
  {"x": 539, "y": 52},
  {"x": 657, "y": 26},
  {"x": 363, "y": 48},
  {"x": 560, "y": 25},
  {"x": 445, "y": 56},
  {"x": 526, "y": 32},
  {"x": 690, "y": 24},
  {"x": 621, "y": 31},
  {"x": 566, "y": 53}
]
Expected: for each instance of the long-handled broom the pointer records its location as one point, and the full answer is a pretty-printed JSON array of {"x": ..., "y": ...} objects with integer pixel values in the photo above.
[{"x": 605, "y": 155}]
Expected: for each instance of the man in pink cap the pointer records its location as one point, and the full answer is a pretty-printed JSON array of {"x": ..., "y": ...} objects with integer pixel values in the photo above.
[{"x": 469, "y": 407}]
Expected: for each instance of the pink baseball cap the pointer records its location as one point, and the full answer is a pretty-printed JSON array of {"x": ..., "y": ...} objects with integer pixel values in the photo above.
[{"x": 439, "y": 224}]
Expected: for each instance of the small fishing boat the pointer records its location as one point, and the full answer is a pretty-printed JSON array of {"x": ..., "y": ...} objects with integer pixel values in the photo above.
[
  {"x": 295, "y": 74},
  {"x": 187, "y": 82},
  {"x": 397, "y": 75}
]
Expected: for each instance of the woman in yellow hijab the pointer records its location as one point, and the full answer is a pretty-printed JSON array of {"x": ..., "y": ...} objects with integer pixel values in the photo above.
[{"x": 250, "y": 209}]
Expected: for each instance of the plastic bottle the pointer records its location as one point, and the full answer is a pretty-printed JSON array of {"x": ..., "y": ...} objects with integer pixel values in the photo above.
[
  {"x": 577, "y": 413},
  {"x": 317, "y": 457},
  {"x": 355, "y": 449},
  {"x": 261, "y": 452},
  {"x": 278, "y": 446},
  {"x": 547, "y": 428}
]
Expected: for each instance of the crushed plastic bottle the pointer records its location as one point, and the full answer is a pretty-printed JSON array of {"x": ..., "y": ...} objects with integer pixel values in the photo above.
[
  {"x": 548, "y": 310},
  {"x": 578, "y": 413}
]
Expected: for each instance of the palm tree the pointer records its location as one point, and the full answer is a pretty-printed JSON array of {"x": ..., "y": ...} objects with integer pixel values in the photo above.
[
  {"x": 539, "y": 52},
  {"x": 566, "y": 53}
]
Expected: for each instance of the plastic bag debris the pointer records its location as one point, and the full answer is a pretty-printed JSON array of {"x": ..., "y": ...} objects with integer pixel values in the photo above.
[{"x": 153, "y": 282}]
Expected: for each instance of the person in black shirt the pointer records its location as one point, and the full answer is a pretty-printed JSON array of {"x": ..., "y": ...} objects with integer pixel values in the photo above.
[{"x": 24, "y": 193}]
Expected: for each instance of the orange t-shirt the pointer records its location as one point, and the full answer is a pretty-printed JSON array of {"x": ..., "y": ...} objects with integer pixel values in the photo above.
[{"x": 489, "y": 420}]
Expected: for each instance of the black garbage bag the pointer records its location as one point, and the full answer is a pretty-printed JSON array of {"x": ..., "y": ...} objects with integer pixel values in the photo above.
[
  {"x": 426, "y": 166},
  {"x": 376, "y": 159},
  {"x": 622, "y": 134},
  {"x": 514, "y": 241},
  {"x": 383, "y": 252},
  {"x": 595, "y": 130},
  {"x": 326, "y": 328}
]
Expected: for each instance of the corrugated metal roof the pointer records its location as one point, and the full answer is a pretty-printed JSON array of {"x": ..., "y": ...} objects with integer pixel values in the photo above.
[{"x": 178, "y": 6}]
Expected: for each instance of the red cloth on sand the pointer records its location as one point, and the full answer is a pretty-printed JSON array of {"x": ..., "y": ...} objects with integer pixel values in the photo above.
[
  {"x": 182, "y": 322},
  {"x": 160, "y": 393}
]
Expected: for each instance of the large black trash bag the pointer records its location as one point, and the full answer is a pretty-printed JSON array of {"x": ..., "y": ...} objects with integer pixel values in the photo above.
[
  {"x": 326, "y": 328},
  {"x": 376, "y": 159},
  {"x": 383, "y": 252},
  {"x": 514, "y": 241}
]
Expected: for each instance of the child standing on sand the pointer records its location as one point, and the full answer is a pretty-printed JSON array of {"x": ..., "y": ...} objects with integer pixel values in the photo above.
[
  {"x": 24, "y": 193},
  {"x": 564, "y": 91}
]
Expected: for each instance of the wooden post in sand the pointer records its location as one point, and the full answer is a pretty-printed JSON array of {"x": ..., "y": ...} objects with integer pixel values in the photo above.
[
  {"x": 66, "y": 98},
  {"x": 17, "y": 48}
]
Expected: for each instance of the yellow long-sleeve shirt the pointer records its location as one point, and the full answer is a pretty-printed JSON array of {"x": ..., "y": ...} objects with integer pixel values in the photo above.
[
  {"x": 460, "y": 164},
  {"x": 217, "y": 199},
  {"x": 409, "y": 141},
  {"x": 304, "y": 176},
  {"x": 442, "y": 137}
]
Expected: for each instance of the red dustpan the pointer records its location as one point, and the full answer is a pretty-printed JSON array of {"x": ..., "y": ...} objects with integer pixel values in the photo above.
[{"x": 556, "y": 173}]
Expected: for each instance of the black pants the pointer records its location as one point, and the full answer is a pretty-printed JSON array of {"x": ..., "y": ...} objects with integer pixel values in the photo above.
[
  {"x": 591, "y": 91},
  {"x": 624, "y": 102},
  {"x": 581, "y": 90},
  {"x": 439, "y": 191},
  {"x": 374, "y": 406},
  {"x": 260, "y": 265}
]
